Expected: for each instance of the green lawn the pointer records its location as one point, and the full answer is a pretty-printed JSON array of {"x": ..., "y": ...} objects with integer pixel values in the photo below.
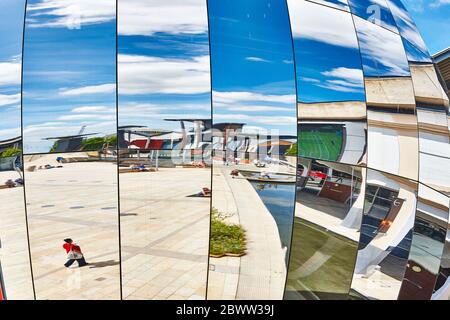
[
  {"x": 325, "y": 145},
  {"x": 330, "y": 258}
]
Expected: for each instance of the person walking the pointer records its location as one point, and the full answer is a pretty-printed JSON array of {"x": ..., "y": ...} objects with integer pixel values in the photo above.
[{"x": 73, "y": 254}]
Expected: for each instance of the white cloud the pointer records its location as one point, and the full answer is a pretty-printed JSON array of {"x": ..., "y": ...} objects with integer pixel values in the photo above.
[
  {"x": 281, "y": 109},
  {"x": 97, "y": 89},
  {"x": 147, "y": 75},
  {"x": 383, "y": 47},
  {"x": 439, "y": 3},
  {"x": 340, "y": 4},
  {"x": 307, "y": 79},
  {"x": 322, "y": 24},
  {"x": 94, "y": 109},
  {"x": 256, "y": 59},
  {"x": 147, "y": 17},
  {"x": 234, "y": 97},
  {"x": 70, "y": 14},
  {"x": 9, "y": 133},
  {"x": 343, "y": 79},
  {"x": 408, "y": 28},
  {"x": 8, "y": 99},
  {"x": 10, "y": 73},
  {"x": 145, "y": 109},
  {"x": 251, "y": 108},
  {"x": 93, "y": 117}
]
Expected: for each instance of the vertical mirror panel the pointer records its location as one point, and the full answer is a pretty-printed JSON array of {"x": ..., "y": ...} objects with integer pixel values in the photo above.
[
  {"x": 382, "y": 51},
  {"x": 442, "y": 288},
  {"x": 375, "y": 11},
  {"x": 165, "y": 141},
  {"x": 15, "y": 268},
  {"x": 330, "y": 84},
  {"x": 428, "y": 240},
  {"x": 11, "y": 26},
  {"x": 392, "y": 121},
  {"x": 254, "y": 138},
  {"x": 408, "y": 30},
  {"x": 69, "y": 76},
  {"x": 385, "y": 236},
  {"x": 73, "y": 196},
  {"x": 432, "y": 105},
  {"x": 392, "y": 125},
  {"x": 328, "y": 215}
]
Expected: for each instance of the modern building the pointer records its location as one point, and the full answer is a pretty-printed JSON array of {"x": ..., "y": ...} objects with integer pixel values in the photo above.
[{"x": 442, "y": 61}]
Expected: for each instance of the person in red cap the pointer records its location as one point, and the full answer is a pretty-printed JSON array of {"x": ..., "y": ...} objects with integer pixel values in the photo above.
[{"x": 73, "y": 254}]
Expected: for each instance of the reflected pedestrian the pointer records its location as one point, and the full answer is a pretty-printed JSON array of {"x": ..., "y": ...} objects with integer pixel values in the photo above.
[{"x": 73, "y": 253}]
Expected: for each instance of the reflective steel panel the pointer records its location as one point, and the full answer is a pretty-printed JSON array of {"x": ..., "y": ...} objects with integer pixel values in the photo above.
[
  {"x": 338, "y": 4},
  {"x": 392, "y": 121},
  {"x": 416, "y": 48},
  {"x": 432, "y": 105},
  {"x": 442, "y": 288},
  {"x": 329, "y": 209},
  {"x": 73, "y": 195},
  {"x": 15, "y": 269},
  {"x": 165, "y": 141},
  {"x": 428, "y": 240},
  {"x": 330, "y": 84},
  {"x": 375, "y": 11},
  {"x": 69, "y": 76},
  {"x": 254, "y": 136},
  {"x": 385, "y": 236},
  {"x": 382, "y": 51}
]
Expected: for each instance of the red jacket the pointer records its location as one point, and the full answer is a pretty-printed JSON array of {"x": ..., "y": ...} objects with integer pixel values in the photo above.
[{"x": 72, "y": 246}]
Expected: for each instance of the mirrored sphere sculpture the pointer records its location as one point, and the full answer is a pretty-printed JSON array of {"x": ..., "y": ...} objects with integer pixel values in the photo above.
[{"x": 221, "y": 150}]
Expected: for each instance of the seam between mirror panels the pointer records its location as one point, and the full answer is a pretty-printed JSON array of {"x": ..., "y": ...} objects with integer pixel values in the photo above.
[
  {"x": 418, "y": 149},
  {"x": 211, "y": 152},
  {"x": 118, "y": 153},
  {"x": 22, "y": 153},
  {"x": 297, "y": 144},
  {"x": 366, "y": 147}
]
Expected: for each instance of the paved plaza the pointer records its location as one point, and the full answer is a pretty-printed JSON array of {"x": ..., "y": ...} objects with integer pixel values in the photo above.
[{"x": 164, "y": 234}]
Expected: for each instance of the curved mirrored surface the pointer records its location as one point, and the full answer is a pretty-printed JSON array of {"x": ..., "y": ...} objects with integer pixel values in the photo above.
[
  {"x": 375, "y": 11},
  {"x": 432, "y": 105},
  {"x": 254, "y": 133},
  {"x": 221, "y": 149},
  {"x": 385, "y": 236},
  {"x": 330, "y": 84},
  {"x": 428, "y": 240},
  {"x": 69, "y": 76},
  {"x": 392, "y": 120},
  {"x": 338, "y": 4},
  {"x": 413, "y": 42},
  {"x": 329, "y": 210},
  {"x": 73, "y": 196},
  {"x": 15, "y": 269},
  {"x": 164, "y": 140},
  {"x": 442, "y": 288}
]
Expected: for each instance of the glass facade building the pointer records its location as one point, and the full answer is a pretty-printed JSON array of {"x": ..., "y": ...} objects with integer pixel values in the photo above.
[{"x": 221, "y": 149}]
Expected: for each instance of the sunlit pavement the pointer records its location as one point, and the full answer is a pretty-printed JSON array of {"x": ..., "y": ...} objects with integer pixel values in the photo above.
[
  {"x": 260, "y": 274},
  {"x": 165, "y": 234}
]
